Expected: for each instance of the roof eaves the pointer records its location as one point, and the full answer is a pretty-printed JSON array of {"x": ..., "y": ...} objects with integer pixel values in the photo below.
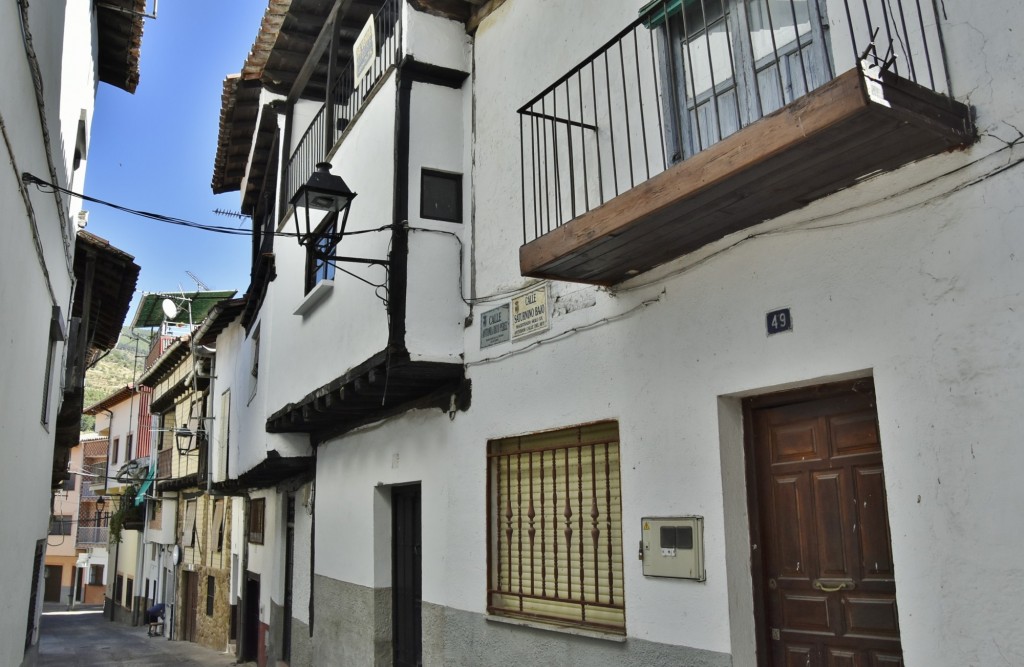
[
  {"x": 173, "y": 355},
  {"x": 119, "y": 396},
  {"x": 218, "y": 319}
]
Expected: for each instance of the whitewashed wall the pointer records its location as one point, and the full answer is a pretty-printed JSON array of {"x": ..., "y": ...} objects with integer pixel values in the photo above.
[
  {"x": 349, "y": 324},
  {"x": 434, "y": 310},
  {"x": 26, "y": 304},
  {"x": 25, "y": 300},
  {"x": 913, "y": 277}
]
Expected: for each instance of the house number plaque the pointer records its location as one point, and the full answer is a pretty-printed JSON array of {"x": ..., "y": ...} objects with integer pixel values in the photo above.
[{"x": 778, "y": 321}]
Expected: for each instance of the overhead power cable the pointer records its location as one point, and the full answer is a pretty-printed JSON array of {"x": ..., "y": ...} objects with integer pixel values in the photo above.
[{"x": 29, "y": 179}]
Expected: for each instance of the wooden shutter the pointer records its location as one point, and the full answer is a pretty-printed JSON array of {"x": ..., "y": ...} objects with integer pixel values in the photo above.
[
  {"x": 218, "y": 524},
  {"x": 556, "y": 527},
  {"x": 188, "y": 527}
]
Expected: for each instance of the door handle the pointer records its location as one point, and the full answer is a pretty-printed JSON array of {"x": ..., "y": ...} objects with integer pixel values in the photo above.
[{"x": 841, "y": 586}]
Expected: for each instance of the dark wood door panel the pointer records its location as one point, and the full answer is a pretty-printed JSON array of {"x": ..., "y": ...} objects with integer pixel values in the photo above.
[{"x": 826, "y": 576}]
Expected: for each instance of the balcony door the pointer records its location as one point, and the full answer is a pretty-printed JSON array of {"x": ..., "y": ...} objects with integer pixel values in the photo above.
[{"x": 735, "y": 61}]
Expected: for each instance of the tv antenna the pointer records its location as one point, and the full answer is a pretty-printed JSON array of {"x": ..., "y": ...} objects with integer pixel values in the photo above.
[{"x": 199, "y": 283}]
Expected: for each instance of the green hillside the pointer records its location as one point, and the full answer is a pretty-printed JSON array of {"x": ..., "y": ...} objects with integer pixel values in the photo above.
[{"x": 114, "y": 371}]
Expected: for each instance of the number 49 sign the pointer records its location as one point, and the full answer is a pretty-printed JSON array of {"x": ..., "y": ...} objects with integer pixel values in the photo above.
[{"x": 778, "y": 321}]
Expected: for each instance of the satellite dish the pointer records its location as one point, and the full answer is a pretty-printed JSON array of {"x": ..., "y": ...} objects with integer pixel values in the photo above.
[{"x": 170, "y": 310}]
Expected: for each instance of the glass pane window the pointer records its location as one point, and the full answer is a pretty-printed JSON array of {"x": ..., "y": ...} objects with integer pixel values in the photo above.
[
  {"x": 738, "y": 60},
  {"x": 323, "y": 245}
]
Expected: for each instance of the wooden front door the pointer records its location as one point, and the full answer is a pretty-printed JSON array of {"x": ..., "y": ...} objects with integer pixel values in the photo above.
[
  {"x": 250, "y": 646},
  {"x": 823, "y": 560},
  {"x": 190, "y": 606},
  {"x": 406, "y": 576},
  {"x": 51, "y": 589}
]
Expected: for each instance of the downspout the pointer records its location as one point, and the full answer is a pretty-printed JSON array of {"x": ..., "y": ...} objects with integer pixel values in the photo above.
[
  {"x": 113, "y": 602},
  {"x": 211, "y": 393},
  {"x": 110, "y": 435}
]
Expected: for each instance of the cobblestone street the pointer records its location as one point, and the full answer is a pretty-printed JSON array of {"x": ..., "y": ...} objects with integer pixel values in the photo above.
[{"x": 85, "y": 637}]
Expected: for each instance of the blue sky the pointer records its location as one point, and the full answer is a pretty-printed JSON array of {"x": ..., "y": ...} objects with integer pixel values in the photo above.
[{"x": 154, "y": 150}]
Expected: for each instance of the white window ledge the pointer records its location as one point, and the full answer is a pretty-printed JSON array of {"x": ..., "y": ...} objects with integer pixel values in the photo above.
[
  {"x": 564, "y": 629},
  {"x": 319, "y": 292}
]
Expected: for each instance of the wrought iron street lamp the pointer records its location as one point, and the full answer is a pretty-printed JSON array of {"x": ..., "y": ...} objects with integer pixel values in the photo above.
[
  {"x": 327, "y": 192},
  {"x": 183, "y": 440}
]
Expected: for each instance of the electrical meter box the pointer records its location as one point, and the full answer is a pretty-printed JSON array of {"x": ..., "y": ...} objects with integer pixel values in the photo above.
[{"x": 673, "y": 547}]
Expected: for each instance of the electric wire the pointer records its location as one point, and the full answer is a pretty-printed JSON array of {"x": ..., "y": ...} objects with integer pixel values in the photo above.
[{"x": 44, "y": 186}]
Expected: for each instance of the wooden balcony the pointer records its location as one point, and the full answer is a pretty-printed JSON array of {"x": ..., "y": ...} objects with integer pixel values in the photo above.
[
  {"x": 822, "y": 142},
  {"x": 691, "y": 125}
]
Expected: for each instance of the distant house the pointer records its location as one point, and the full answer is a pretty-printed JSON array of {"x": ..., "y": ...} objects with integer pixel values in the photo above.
[
  {"x": 183, "y": 559},
  {"x": 93, "y": 522},
  {"x": 124, "y": 419},
  {"x": 61, "y": 561}
]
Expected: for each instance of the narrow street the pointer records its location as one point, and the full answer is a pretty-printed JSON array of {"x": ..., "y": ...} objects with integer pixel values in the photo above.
[{"x": 85, "y": 637}]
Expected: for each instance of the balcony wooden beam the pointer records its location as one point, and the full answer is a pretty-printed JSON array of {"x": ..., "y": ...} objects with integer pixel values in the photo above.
[{"x": 821, "y": 143}]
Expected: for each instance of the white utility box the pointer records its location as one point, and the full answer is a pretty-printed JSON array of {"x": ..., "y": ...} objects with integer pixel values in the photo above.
[{"x": 673, "y": 547}]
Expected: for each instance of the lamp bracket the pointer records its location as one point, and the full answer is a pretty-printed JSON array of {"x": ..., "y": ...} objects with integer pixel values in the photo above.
[{"x": 354, "y": 260}]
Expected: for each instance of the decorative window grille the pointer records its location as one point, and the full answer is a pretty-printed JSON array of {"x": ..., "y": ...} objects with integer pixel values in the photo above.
[{"x": 555, "y": 527}]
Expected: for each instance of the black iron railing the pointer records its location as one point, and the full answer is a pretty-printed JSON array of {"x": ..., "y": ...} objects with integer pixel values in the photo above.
[
  {"x": 345, "y": 99},
  {"x": 688, "y": 73}
]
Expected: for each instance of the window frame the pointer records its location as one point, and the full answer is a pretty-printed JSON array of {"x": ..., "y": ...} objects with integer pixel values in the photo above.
[
  {"x": 57, "y": 335},
  {"x": 513, "y": 463},
  {"x": 452, "y": 177},
  {"x": 323, "y": 241},
  {"x": 687, "y": 136},
  {"x": 211, "y": 592},
  {"x": 188, "y": 526},
  {"x": 256, "y": 521},
  {"x": 63, "y": 523}
]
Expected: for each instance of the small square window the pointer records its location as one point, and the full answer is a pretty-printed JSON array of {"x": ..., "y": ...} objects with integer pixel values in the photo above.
[{"x": 441, "y": 196}]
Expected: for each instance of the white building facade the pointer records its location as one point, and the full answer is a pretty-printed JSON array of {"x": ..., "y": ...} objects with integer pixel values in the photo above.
[
  {"x": 55, "y": 54},
  {"x": 697, "y": 362}
]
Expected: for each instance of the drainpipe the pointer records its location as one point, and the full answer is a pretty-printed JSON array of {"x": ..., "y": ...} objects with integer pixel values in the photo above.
[
  {"x": 206, "y": 352},
  {"x": 113, "y": 602},
  {"x": 110, "y": 435},
  {"x": 106, "y": 480}
]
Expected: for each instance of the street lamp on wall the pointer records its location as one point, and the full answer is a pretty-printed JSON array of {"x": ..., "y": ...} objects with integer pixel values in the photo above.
[
  {"x": 326, "y": 192},
  {"x": 183, "y": 440},
  {"x": 323, "y": 191}
]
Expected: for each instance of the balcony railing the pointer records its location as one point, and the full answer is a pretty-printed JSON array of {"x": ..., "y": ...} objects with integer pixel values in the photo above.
[
  {"x": 95, "y": 480},
  {"x": 93, "y": 535},
  {"x": 688, "y": 74},
  {"x": 345, "y": 99}
]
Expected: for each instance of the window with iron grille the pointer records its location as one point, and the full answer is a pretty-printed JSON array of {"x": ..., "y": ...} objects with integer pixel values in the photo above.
[
  {"x": 211, "y": 589},
  {"x": 323, "y": 244},
  {"x": 60, "y": 524},
  {"x": 257, "y": 506},
  {"x": 555, "y": 527}
]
